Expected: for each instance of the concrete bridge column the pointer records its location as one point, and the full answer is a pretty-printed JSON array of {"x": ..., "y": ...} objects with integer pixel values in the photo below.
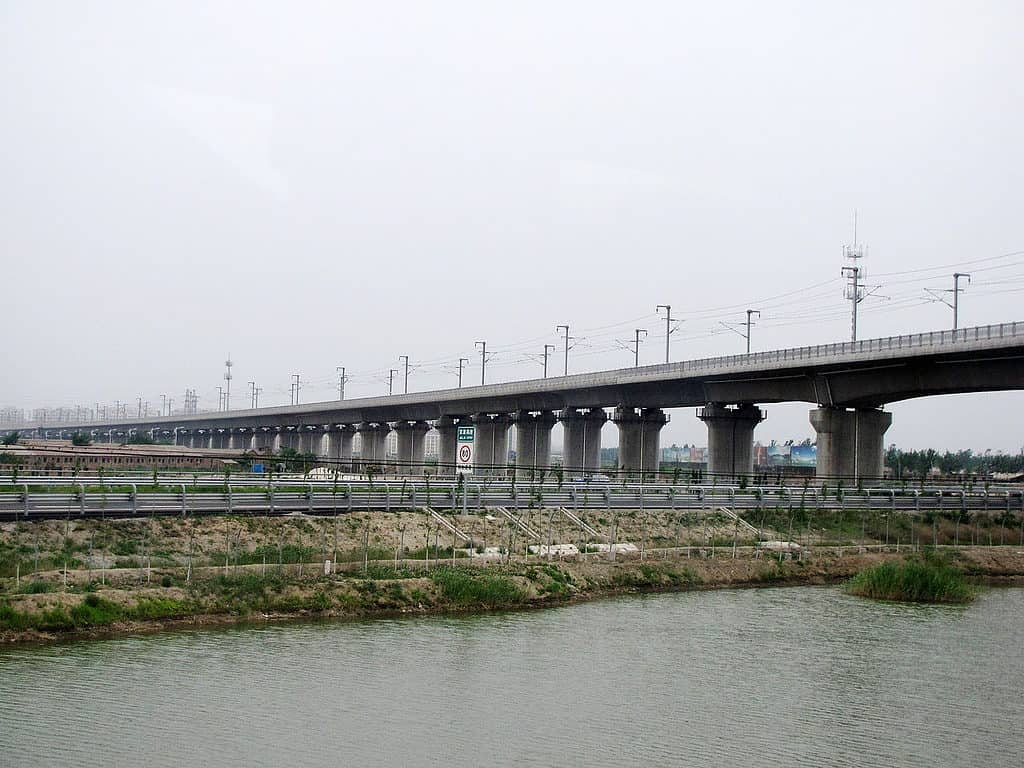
[
  {"x": 490, "y": 454},
  {"x": 373, "y": 436},
  {"x": 307, "y": 438},
  {"x": 263, "y": 439},
  {"x": 448, "y": 431},
  {"x": 533, "y": 440},
  {"x": 411, "y": 446},
  {"x": 340, "y": 445},
  {"x": 731, "y": 438},
  {"x": 850, "y": 443},
  {"x": 639, "y": 438},
  {"x": 288, "y": 438},
  {"x": 322, "y": 443},
  {"x": 582, "y": 442}
]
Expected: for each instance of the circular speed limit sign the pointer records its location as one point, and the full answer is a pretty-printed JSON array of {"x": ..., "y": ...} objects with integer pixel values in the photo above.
[{"x": 465, "y": 454}]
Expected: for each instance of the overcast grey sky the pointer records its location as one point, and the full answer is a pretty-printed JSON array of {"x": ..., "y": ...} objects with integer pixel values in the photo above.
[{"x": 307, "y": 185}]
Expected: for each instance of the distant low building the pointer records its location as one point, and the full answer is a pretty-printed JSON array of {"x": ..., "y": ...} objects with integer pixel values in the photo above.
[{"x": 62, "y": 456}]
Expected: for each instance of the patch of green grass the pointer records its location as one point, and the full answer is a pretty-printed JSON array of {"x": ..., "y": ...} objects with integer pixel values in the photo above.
[
  {"x": 649, "y": 576},
  {"x": 925, "y": 580},
  {"x": 95, "y": 611},
  {"x": 160, "y": 608},
  {"x": 464, "y": 587},
  {"x": 36, "y": 587}
]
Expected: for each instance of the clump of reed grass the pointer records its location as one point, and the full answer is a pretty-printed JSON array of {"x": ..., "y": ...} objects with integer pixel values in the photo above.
[
  {"x": 464, "y": 587},
  {"x": 922, "y": 580}
]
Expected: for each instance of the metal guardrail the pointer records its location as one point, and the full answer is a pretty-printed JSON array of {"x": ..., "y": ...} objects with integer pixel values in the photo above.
[
  {"x": 185, "y": 500},
  {"x": 903, "y": 343}
]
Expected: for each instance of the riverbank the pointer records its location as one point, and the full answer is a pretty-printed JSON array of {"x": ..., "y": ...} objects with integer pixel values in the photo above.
[{"x": 262, "y": 594}]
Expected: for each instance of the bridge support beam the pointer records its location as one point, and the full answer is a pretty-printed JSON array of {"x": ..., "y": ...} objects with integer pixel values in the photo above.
[
  {"x": 850, "y": 443},
  {"x": 639, "y": 438},
  {"x": 490, "y": 454},
  {"x": 533, "y": 440},
  {"x": 411, "y": 447},
  {"x": 731, "y": 438},
  {"x": 581, "y": 448}
]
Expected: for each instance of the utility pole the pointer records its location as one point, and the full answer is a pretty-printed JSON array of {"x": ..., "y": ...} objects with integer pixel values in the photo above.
[
  {"x": 163, "y": 405},
  {"x": 256, "y": 397},
  {"x": 483, "y": 360},
  {"x": 391, "y": 381},
  {"x": 855, "y": 275},
  {"x": 140, "y": 400},
  {"x": 668, "y": 325},
  {"x": 956, "y": 295},
  {"x": 636, "y": 343},
  {"x": 342, "y": 379},
  {"x": 227, "y": 379},
  {"x": 295, "y": 389},
  {"x": 220, "y": 398},
  {"x": 405, "y": 359},
  {"x": 749, "y": 313},
  {"x": 461, "y": 361},
  {"x": 566, "y": 329},
  {"x": 170, "y": 402},
  {"x": 547, "y": 348},
  {"x": 252, "y": 394},
  {"x": 117, "y": 409}
]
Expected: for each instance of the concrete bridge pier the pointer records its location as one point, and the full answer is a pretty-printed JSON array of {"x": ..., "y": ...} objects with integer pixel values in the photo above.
[
  {"x": 288, "y": 437},
  {"x": 323, "y": 443},
  {"x": 850, "y": 442},
  {"x": 639, "y": 438},
  {"x": 731, "y": 438},
  {"x": 307, "y": 438},
  {"x": 239, "y": 439},
  {"x": 490, "y": 454},
  {"x": 263, "y": 439},
  {"x": 373, "y": 437},
  {"x": 448, "y": 430},
  {"x": 411, "y": 447},
  {"x": 581, "y": 450},
  {"x": 340, "y": 445},
  {"x": 533, "y": 440}
]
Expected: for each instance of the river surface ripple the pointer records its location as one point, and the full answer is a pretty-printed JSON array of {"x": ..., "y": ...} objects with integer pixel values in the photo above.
[{"x": 795, "y": 676}]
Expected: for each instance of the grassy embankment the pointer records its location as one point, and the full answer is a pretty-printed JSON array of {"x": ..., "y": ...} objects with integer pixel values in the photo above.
[{"x": 41, "y": 607}]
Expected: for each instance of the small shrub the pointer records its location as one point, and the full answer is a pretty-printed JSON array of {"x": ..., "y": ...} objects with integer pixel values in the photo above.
[{"x": 37, "y": 588}]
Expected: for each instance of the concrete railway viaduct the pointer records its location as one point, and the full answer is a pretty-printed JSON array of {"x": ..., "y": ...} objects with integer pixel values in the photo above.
[{"x": 848, "y": 385}]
